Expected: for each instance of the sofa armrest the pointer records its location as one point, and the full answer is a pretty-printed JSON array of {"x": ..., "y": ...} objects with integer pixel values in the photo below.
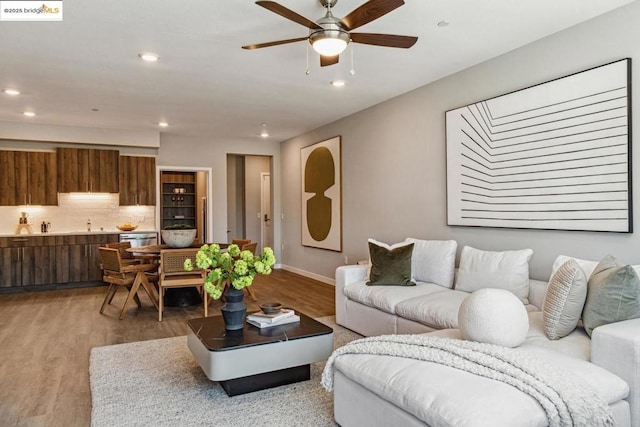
[
  {"x": 346, "y": 274},
  {"x": 616, "y": 347}
]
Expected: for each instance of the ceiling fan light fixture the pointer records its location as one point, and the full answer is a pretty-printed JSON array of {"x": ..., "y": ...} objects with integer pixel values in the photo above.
[{"x": 329, "y": 42}]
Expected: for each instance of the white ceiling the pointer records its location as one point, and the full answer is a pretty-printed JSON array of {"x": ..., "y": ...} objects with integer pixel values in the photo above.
[{"x": 206, "y": 85}]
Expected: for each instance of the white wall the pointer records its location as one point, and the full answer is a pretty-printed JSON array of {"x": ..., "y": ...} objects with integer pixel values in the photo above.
[
  {"x": 177, "y": 150},
  {"x": 394, "y": 156}
]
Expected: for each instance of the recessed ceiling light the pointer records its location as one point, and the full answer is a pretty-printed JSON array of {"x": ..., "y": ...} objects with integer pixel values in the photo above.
[
  {"x": 163, "y": 124},
  {"x": 337, "y": 83},
  {"x": 148, "y": 56},
  {"x": 443, "y": 23},
  {"x": 264, "y": 133},
  {"x": 12, "y": 92},
  {"x": 29, "y": 113}
]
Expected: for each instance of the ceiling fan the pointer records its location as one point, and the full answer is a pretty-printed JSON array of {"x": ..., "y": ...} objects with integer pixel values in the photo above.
[{"x": 329, "y": 36}]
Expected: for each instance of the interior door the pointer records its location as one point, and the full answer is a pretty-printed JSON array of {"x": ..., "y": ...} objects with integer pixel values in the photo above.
[{"x": 266, "y": 229}]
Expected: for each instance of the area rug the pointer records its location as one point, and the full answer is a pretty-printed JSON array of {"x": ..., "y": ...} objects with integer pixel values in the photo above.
[{"x": 159, "y": 383}]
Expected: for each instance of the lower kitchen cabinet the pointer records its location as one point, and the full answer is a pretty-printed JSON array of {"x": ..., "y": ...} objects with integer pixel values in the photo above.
[
  {"x": 78, "y": 257},
  {"x": 26, "y": 261},
  {"x": 49, "y": 260}
]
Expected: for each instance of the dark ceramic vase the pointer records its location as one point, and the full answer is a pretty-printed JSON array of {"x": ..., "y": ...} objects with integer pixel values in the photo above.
[{"x": 234, "y": 309}]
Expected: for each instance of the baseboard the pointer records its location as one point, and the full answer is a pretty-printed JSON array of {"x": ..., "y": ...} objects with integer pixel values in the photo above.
[{"x": 308, "y": 274}]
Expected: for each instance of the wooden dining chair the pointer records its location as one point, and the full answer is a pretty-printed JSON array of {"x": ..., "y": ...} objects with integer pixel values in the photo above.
[
  {"x": 251, "y": 247},
  {"x": 173, "y": 275},
  {"x": 240, "y": 242},
  {"x": 125, "y": 257},
  {"x": 130, "y": 276}
]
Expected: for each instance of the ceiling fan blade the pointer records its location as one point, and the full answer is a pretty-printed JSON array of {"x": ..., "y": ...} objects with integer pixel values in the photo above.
[
  {"x": 288, "y": 13},
  {"x": 371, "y": 10},
  {"x": 386, "y": 40},
  {"x": 276, "y": 43},
  {"x": 329, "y": 60}
]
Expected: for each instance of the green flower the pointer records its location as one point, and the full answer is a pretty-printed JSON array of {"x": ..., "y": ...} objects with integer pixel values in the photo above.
[
  {"x": 240, "y": 267},
  {"x": 233, "y": 250},
  {"x": 233, "y": 266},
  {"x": 246, "y": 256},
  {"x": 242, "y": 282}
]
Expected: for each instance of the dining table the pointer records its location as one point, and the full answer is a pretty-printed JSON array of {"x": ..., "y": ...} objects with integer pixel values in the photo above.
[{"x": 174, "y": 297}]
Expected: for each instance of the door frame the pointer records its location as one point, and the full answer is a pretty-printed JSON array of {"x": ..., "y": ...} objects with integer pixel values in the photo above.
[
  {"x": 209, "y": 220},
  {"x": 263, "y": 228}
]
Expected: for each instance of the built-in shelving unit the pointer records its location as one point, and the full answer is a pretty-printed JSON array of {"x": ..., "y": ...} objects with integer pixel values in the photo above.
[{"x": 178, "y": 198}]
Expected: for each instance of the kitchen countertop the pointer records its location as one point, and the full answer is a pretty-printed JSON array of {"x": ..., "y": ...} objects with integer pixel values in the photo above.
[{"x": 76, "y": 233}]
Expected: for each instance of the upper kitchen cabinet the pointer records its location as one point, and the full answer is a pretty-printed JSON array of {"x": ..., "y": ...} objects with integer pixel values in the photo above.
[
  {"x": 28, "y": 178},
  {"x": 87, "y": 170},
  {"x": 137, "y": 180}
]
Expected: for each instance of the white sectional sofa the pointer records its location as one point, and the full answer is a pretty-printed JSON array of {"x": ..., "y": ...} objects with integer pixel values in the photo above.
[{"x": 376, "y": 390}]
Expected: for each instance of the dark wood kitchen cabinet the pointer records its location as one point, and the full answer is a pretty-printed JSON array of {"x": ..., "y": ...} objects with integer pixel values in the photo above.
[
  {"x": 137, "y": 181},
  {"x": 27, "y": 261},
  {"x": 28, "y": 178},
  {"x": 87, "y": 170},
  {"x": 78, "y": 258}
]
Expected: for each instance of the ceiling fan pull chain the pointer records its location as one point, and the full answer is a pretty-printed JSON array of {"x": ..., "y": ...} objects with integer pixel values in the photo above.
[
  {"x": 352, "y": 71},
  {"x": 307, "y": 71}
]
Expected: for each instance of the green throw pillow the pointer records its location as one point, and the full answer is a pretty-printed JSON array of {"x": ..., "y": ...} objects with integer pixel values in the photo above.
[
  {"x": 613, "y": 295},
  {"x": 390, "y": 266}
]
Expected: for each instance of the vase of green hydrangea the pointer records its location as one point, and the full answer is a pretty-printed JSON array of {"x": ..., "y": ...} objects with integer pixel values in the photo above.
[{"x": 232, "y": 270}]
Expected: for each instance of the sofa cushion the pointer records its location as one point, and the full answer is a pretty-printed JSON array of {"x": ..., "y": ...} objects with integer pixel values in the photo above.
[
  {"x": 436, "y": 309},
  {"x": 386, "y": 298},
  {"x": 613, "y": 294},
  {"x": 390, "y": 266},
  {"x": 493, "y": 316},
  {"x": 433, "y": 261},
  {"x": 564, "y": 300},
  {"x": 577, "y": 344},
  {"x": 439, "y": 395},
  {"x": 504, "y": 270}
]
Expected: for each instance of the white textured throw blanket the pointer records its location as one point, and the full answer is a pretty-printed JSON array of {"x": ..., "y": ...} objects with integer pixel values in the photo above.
[{"x": 567, "y": 401}]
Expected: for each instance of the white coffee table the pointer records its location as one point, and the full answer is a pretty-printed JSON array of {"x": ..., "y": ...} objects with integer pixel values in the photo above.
[{"x": 255, "y": 359}]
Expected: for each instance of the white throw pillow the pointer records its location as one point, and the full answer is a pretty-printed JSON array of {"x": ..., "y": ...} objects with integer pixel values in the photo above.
[
  {"x": 564, "y": 300},
  {"x": 503, "y": 270},
  {"x": 493, "y": 316},
  {"x": 433, "y": 261},
  {"x": 586, "y": 266}
]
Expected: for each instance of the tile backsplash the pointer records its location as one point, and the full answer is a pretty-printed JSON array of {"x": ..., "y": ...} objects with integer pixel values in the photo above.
[{"x": 73, "y": 212}]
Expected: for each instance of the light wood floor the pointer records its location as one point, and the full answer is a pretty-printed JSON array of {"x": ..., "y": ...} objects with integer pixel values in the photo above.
[{"x": 46, "y": 337}]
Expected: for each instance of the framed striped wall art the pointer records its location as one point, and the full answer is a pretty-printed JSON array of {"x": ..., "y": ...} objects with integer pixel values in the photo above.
[{"x": 552, "y": 156}]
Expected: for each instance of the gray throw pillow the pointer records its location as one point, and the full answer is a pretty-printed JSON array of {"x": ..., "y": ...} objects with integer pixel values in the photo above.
[
  {"x": 613, "y": 295},
  {"x": 390, "y": 266},
  {"x": 564, "y": 300}
]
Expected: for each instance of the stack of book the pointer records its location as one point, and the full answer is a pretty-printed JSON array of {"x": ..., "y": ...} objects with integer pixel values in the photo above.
[{"x": 263, "y": 320}]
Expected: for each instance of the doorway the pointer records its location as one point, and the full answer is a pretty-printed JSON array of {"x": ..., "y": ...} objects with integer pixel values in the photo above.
[{"x": 247, "y": 209}]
